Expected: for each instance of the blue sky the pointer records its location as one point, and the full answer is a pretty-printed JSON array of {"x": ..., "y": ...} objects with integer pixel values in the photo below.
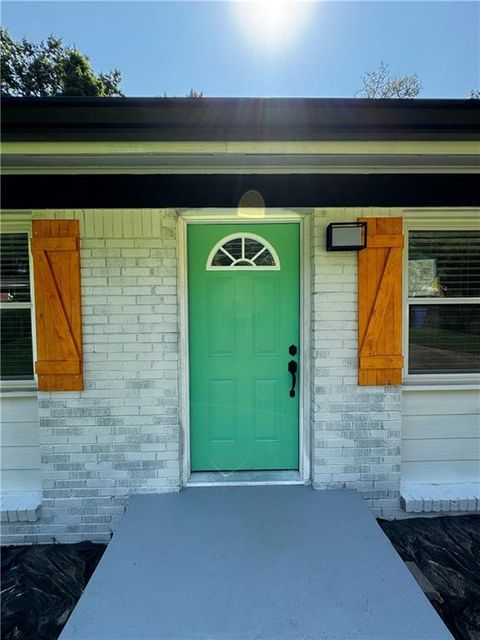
[{"x": 224, "y": 49}]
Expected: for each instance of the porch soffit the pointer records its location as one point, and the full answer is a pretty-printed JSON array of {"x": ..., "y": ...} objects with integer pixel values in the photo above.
[
  {"x": 186, "y": 191},
  {"x": 241, "y": 157}
]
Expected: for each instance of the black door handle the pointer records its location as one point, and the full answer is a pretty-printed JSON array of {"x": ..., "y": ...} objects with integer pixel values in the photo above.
[{"x": 292, "y": 369}]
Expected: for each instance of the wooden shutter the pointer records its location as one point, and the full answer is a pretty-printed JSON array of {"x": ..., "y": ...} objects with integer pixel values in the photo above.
[
  {"x": 56, "y": 262},
  {"x": 380, "y": 303}
]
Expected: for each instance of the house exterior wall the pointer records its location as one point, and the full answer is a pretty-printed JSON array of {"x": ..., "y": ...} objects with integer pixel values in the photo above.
[
  {"x": 441, "y": 436},
  {"x": 356, "y": 430},
  {"x": 19, "y": 451},
  {"x": 122, "y": 434}
]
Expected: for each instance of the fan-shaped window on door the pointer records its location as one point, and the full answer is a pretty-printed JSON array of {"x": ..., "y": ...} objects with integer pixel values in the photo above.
[{"x": 243, "y": 251}]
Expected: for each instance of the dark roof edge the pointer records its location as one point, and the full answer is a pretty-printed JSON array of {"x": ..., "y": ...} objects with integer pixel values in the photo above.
[
  {"x": 192, "y": 119},
  {"x": 416, "y": 103}
]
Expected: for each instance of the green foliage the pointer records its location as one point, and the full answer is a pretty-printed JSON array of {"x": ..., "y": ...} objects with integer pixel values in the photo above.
[
  {"x": 51, "y": 69},
  {"x": 378, "y": 83}
]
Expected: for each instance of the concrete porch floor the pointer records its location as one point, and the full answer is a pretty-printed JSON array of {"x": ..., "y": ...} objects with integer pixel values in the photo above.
[{"x": 252, "y": 563}]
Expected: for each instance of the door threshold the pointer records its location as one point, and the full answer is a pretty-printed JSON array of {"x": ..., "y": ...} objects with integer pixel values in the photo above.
[{"x": 245, "y": 478}]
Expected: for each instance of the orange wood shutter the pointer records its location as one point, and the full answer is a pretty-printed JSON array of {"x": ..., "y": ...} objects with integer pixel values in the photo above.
[
  {"x": 380, "y": 303},
  {"x": 56, "y": 263}
]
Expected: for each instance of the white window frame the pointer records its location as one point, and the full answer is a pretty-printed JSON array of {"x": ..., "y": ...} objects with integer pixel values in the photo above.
[
  {"x": 14, "y": 225},
  {"x": 231, "y": 267},
  {"x": 447, "y": 221}
]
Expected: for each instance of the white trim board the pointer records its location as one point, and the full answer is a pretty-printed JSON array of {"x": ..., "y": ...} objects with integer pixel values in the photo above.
[
  {"x": 355, "y": 147},
  {"x": 229, "y": 216},
  {"x": 442, "y": 216}
]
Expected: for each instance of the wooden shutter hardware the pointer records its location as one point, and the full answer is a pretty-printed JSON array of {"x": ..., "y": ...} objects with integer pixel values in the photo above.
[
  {"x": 56, "y": 261},
  {"x": 380, "y": 303}
]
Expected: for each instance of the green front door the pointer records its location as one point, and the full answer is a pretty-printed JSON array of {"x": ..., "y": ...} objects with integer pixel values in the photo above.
[{"x": 243, "y": 287}]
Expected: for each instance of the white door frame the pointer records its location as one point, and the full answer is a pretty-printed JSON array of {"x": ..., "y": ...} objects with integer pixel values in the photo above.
[{"x": 229, "y": 216}]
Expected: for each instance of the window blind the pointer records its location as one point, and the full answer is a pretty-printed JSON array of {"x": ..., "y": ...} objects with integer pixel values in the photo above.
[
  {"x": 444, "y": 264},
  {"x": 14, "y": 268}
]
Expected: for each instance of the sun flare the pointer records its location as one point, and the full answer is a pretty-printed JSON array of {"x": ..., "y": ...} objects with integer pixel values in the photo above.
[{"x": 271, "y": 24}]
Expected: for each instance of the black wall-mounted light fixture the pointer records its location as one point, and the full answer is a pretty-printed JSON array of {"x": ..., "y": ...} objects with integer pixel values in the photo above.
[{"x": 346, "y": 236}]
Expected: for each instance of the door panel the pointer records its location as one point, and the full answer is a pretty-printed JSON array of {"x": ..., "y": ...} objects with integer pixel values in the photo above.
[
  {"x": 222, "y": 410},
  {"x": 222, "y": 320},
  {"x": 266, "y": 407},
  {"x": 266, "y": 315},
  {"x": 241, "y": 324}
]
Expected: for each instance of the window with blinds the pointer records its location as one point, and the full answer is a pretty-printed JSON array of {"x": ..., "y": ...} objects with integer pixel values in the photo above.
[
  {"x": 16, "y": 361},
  {"x": 444, "y": 302}
]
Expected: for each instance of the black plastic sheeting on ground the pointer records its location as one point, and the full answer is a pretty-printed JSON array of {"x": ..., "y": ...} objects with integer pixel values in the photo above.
[
  {"x": 447, "y": 551},
  {"x": 41, "y": 585}
]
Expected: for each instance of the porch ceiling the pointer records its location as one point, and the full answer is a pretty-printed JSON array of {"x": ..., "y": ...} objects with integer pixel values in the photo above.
[{"x": 154, "y": 190}]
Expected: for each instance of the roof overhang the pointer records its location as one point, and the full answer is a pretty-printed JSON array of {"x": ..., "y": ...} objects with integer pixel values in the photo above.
[
  {"x": 245, "y": 157},
  {"x": 239, "y": 136},
  {"x": 237, "y": 119}
]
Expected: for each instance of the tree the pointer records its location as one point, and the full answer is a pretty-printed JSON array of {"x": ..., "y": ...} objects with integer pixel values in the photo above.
[
  {"x": 378, "y": 83},
  {"x": 194, "y": 93},
  {"x": 475, "y": 94},
  {"x": 50, "y": 68}
]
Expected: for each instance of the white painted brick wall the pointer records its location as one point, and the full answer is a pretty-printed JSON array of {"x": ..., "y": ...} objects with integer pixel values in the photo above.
[
  {"x": 121, "y": 433},
  {"x": 356, "y": 431}
]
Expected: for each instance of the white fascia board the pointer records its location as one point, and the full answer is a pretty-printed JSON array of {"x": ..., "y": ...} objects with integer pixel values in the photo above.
[
  {"x": 240, "y": 157},
  {"x": 391, "y": 147}
]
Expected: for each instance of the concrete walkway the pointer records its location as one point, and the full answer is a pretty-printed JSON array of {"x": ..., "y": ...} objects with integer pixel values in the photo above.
[{"x": 252, "y": 563}]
